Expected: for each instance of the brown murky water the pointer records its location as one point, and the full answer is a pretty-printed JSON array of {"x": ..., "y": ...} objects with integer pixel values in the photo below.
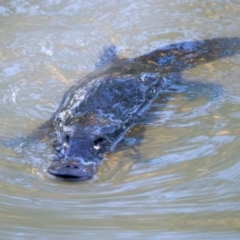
[{"x": 176, "y": 177}]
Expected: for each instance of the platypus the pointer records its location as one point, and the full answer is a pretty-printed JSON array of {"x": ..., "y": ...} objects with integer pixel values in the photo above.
[{"x": 99, "y": 110}]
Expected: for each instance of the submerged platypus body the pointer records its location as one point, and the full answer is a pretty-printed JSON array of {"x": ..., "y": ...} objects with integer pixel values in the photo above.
[{"x": 97, "y": 112}]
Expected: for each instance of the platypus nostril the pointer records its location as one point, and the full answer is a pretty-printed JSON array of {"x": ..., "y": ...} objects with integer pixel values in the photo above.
[
  {"x": 72, "y": 166},
  {"x": 73, "y": 169}
]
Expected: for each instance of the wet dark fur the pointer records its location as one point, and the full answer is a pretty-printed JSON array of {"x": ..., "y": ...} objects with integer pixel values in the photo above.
[{"x": 96, "y": 112}]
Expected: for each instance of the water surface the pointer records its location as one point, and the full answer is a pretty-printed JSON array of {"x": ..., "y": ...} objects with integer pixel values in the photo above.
[{"x": 175, "y": 177}]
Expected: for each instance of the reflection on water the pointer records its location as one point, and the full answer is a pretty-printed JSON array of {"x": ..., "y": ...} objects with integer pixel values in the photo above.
[{"x": 176, "y": 176}]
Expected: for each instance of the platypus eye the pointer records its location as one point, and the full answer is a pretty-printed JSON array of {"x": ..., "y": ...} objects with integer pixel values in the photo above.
[
  {"x": 97, "y": 143},
  {"x": 67, "y": 138}
]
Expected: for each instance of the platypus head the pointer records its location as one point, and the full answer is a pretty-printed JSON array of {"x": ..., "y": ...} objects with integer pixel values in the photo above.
[{"x": 80, "y": 145}]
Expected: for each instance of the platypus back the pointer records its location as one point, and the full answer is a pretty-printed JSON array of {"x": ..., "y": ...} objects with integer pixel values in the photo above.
[{"x": 185, "y": 55}]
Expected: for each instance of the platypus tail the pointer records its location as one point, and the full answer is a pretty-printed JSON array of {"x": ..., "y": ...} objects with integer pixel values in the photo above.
[{"x": 185, "y": 55}]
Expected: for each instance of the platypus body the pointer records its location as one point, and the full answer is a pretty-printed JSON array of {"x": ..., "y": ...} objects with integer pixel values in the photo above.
[{"x": 98, "y": 111}]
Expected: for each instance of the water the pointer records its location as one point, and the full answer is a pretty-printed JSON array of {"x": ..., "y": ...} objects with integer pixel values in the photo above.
[{"x": 176, "y": 176}]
